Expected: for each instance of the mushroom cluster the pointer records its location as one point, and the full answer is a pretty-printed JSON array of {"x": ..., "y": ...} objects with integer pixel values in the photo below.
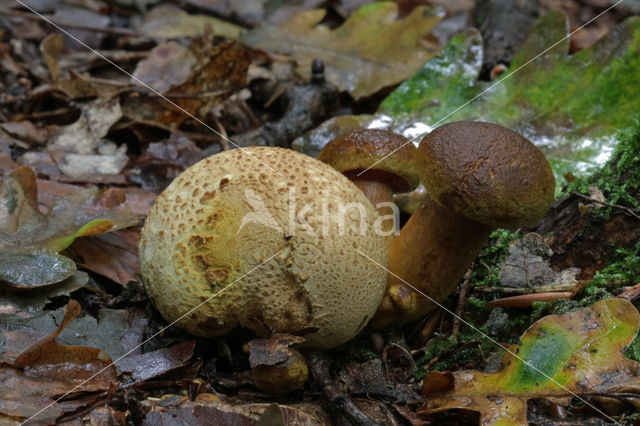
[
  {"x": 479, "y": 177},
  {"x": 271, "y": 240},
  {"x": 265, "y": 231}
]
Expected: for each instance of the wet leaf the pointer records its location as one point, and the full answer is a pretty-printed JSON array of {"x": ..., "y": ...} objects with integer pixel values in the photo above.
[
  {"x": 170, "y": 22},
  {"x": 25, "y": 131},
  {"x": 272, "y": 351},
  {"x": 115, "y": 331},
  {"x": 29, "y": 270},
  {"x": 20, "y": 308},
  {"x": 47, "y": 369},
  {"x": 152, "y": 364},
  {"x": 582, "y": 351},
  {"x": 30, "y": 241},
  {"x": 209, "y": 409},
  {"x": 370, "y": 51},
  {"x": 163, "y": 161},
  {"x": 570, "y": 106}
]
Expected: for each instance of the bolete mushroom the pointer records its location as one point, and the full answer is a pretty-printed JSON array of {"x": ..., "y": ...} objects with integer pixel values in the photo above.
[
  {"x": 267, "y": 226},
  {"x": 479, "y": 177},
  {"x": 379, "y": 162}
]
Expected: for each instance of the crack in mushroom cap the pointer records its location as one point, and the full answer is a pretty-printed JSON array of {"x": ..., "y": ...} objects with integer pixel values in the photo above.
[
  {"x": 194, "y": 243},
  {"x": 487, "y": 173},
  {"x": 360, "y": 149}
]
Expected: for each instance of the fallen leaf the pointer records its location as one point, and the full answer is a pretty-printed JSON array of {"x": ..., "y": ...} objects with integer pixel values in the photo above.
[
  {"x": 559, "y": 356},
  {"x": 207, "y": 411},
  {"x": 163, "y": 161},
  {"x": 47, "y": 369},
  {"x": 18, "y": 309},
  {"x": 80, "y": 149},
  {"x": 51, "y": 48},
  {"x": 370, "y": 51},
  {"x": 113, "y": 255},
  {"x": 272, "y": 351},
  {"x": 167, "y": 65},
  {"x": 220, "y": 70},
  {"x": 152, "y": 364},
  {"x": 369, "y": 378},
  {"x": 30, "y": 241},
  {"x": 25, "y": 131},
  {"x": 166, "y": 22},
  {"x": 115, "y": 331},
  {"x": 526, "y": 268},
  {"x": 64, "y": 13}
]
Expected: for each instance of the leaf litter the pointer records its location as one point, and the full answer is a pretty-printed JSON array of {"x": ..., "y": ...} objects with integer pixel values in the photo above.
[{"x": 73, "y": 119}]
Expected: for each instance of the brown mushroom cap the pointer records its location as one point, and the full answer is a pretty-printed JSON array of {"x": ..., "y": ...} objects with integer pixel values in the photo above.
[
  {"x": 358, "y": 150},
  {"x": 209, "y": 230},
  {"x": 487, "y": 173}
]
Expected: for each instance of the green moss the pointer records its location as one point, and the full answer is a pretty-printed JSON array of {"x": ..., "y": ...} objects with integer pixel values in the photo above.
[
  {"x": 622, "y": 270},
  {"x": 485, "y": 271},
  {"x": 470, "y": 346},
  {"x": 619, "y": 179},
  {"x": 633, "y": 351}
]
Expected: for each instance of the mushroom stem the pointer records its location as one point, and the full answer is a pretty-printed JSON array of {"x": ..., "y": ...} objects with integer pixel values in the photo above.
[
  {"x": 479, "y": 177},
  {"x": 432, "y": 262},
  {"x": 376, "y": 191}
]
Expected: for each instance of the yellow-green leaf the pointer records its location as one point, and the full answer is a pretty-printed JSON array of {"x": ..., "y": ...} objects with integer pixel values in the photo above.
[
  {"x": 560, "y": 356},
  {"x": 167, "y": 22},
  {"x": 30, "y": 240}
]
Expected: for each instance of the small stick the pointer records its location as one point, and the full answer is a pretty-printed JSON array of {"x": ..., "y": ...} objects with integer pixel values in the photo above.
[
  {"x": 630, "y": 293},
  {"x": 224, "y": 141},
  {"x": 630, "y": 211},
  {"x": 525, "y": 300},
  {"x": 462, "y": 298},
  {"x": 337, "y": 398}
]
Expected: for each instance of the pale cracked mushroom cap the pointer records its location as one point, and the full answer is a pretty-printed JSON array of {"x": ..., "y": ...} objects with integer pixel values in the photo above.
[{"x": 221, "y": 218}]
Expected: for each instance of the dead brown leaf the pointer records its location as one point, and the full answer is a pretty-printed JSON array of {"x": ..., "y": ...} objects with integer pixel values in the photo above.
[
  {"x": 51, "y": 48},
  {"x": 167, "y": 65},
  {"x": 220, "y": 70},
  {"x": 152, "y": 364},
  {"x": 113, "y": 255},
  {"x": 47, "y": 369}
]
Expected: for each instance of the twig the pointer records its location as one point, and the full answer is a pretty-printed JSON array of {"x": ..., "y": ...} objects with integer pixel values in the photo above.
[
  {"x": 522, "y": 290},
  {"x": 408, "y": 355},
  {"x": 630, "y": 211},
  {"x": 337, "y": 398},
  {"x": 108, "y": 30},
  {"x": 630, "y": 293},
  {"x": 224, "y": 140},
  {"x": 462, "y": 298}
]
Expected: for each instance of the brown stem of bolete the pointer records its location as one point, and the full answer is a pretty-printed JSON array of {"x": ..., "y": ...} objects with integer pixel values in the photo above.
[
  {"x": 432, "y": 253},
  {"x": 377, "y": 189},
  {"x": 377, "y": 192}
]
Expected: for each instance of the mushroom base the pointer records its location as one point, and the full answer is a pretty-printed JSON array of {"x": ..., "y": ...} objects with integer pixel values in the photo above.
[{"x": 432, "y": 262}]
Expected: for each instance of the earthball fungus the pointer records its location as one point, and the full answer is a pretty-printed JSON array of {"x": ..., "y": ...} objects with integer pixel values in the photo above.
[{"x": 264, "y": 238}]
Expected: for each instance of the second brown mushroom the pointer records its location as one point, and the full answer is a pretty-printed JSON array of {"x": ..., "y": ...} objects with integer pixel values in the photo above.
[
  {"x": 479, "y": 177},
  {"x": 377, "y": 161}
]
